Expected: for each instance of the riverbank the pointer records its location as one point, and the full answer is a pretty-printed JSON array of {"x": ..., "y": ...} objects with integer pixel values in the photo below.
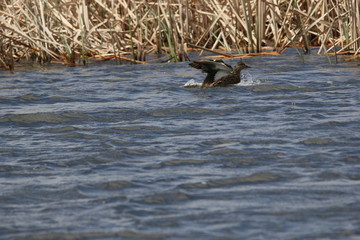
[{"x": 73, "y": 32}]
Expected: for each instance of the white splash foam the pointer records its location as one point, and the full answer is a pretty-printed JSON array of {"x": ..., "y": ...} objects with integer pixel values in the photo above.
[
  {"x": 192, "y": 83},
  {"x": 248, "y": 80}
]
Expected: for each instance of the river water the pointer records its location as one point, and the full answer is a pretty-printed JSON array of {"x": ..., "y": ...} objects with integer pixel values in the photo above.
[{"x": 141, "y": 152}]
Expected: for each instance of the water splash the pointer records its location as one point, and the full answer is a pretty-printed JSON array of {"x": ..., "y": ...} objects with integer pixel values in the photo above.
[
  {"x": 248, "y": 79},
  {"x": 192, "y": 83}
]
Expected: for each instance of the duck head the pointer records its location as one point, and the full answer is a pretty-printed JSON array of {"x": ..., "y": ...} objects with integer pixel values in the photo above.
[{"x": 241, "y": 65}]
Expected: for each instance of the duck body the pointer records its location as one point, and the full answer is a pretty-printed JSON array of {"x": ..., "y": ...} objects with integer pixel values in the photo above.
[{"x": 219, "y": 74}]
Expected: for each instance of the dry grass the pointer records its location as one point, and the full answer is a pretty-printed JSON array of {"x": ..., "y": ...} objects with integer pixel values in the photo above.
[{"x": 71, "y": 31}]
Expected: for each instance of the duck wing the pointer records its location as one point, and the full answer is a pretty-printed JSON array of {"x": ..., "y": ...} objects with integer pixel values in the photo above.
[{"x": 211, "y": 66}]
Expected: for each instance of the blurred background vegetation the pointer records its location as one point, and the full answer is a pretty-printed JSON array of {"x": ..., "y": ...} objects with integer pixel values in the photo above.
[{"x": 73, "y": 31}]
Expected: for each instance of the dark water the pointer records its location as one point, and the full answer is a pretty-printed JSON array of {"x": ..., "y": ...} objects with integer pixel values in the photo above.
[{"x": 129, "y": 152}]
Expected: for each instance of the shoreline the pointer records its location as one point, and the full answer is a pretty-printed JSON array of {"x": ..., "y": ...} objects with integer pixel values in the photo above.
[
  {"x": 70, "y": 32},
  {"x": 206, "y": 54}
]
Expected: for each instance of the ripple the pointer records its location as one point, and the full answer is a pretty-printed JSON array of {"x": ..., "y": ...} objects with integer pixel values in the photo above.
[
  {"x": 280, "y": 88},
  {"x": 108, "y": 186},
  {"x": 254, "y": 178},
  {"x": 96, "y": 235},
  {"x": 166, "y": 198},
  {"x": 177, "y": 163},
  {"x": 29, "y": 98},
  {"x": 31, "y": 118},
  {"x": 177, "y": 112},
  {"x": 228, "y": 152},
  {"x": 318, "y": 141},
  {"x": 62, "y": 129}
]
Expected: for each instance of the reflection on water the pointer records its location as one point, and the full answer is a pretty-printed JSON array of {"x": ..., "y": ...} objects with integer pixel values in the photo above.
[{"x": 141, "y": 152}]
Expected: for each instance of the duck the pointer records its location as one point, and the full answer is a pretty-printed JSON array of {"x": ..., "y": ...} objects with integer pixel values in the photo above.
[{"x": 219, "y": 73}]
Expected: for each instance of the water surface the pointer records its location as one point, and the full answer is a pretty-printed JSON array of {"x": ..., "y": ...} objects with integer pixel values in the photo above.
[{"x": 140, "y": 152}]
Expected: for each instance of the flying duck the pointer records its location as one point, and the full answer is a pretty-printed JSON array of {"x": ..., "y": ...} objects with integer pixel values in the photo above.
[{"x": 219, "y": 74}]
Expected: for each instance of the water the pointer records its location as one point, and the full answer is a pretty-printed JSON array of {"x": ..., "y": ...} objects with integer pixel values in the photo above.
[{"x": 140, "y": 152}]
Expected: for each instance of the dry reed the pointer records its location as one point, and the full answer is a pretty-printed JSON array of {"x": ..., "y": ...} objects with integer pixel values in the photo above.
[{"x": 71, "y": 32}]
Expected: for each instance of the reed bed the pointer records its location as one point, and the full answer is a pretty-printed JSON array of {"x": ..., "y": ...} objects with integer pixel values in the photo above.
[{"x": 73, "y": 32}]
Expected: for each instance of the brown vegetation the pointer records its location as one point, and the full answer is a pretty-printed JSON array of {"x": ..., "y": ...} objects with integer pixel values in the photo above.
[{"x": 72, "y": 31}]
